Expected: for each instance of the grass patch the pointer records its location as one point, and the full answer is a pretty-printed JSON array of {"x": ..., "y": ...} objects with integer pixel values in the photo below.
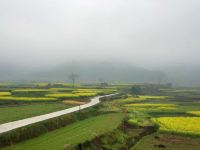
[
  {"x": 72, "y": 134},
  {"x": 13, "y": 113},
  {"x": 168, "y": 142}
]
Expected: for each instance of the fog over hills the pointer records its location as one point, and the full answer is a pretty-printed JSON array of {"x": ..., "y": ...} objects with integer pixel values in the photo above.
[
  {"x": 94, "y": 72},
  {"x": 183, "y": 75},
  {"x": 87, "y": 71},
  {"x": 103, "y": 71},
  {"x": 143, "y": 40}
]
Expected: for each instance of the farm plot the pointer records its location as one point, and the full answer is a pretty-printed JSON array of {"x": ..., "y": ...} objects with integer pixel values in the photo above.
[
  {"x": 140, "y": 98},
  {"x": 5, "y": 93},
  {"x": 51, "y": 94},
  {"x": 184, "y": 125},
  {"x": 12, "y": 98},
  {"x": 71, "y": 95},
  {"x": 197, "y": 113},
  {"x": 150, "y": 107}
]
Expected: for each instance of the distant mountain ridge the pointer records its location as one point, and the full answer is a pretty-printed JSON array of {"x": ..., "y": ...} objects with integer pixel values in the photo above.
[
  {"x": 101, "y": 71},
  {"x": 110, "y": 72},
  {"x": 88, "y": 72}
]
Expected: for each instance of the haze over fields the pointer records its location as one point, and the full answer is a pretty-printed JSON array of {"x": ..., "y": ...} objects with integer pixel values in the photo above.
[{"x": 142, "y": 40}]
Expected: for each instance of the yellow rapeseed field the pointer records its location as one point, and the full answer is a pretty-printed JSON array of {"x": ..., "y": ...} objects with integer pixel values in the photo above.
[
  {"x": 150, "y": 105},
  {"x": 186, "y": 125},
  {"x": 131, "y": 98},
  {"x": 12, "y": 98},
  {"x": 194, "y": 113},
  {"x": 71, "y": 95},
  {"x": 5, "y": 93}
]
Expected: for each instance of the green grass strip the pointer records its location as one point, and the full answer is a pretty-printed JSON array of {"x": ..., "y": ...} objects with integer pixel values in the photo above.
[{"x": 72, "y": 134}]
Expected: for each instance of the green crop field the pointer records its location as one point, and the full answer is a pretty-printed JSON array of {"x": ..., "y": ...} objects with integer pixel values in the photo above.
[
  {"x": 16, "y": 112},
  {"x": 72, "y": 134}
]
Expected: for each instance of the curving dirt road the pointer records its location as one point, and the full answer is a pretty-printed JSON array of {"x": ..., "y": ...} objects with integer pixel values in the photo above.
[{"x": 24, "y": 122}]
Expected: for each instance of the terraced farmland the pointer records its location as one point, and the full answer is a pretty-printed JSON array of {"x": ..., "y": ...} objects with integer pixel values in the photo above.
[{"x": 168, "y": 114}]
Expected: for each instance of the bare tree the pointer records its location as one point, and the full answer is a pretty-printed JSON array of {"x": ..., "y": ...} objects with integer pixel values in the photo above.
[
  {"x": 160, "y": 77},
  {"x": 73, "y": 77}
]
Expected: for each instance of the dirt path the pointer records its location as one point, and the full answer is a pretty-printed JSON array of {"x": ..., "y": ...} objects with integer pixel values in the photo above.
[{"x": 24, "y": 122}]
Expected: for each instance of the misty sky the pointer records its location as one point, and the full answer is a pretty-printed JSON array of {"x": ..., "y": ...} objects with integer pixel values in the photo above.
[{"x": 148, "y": 33}]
